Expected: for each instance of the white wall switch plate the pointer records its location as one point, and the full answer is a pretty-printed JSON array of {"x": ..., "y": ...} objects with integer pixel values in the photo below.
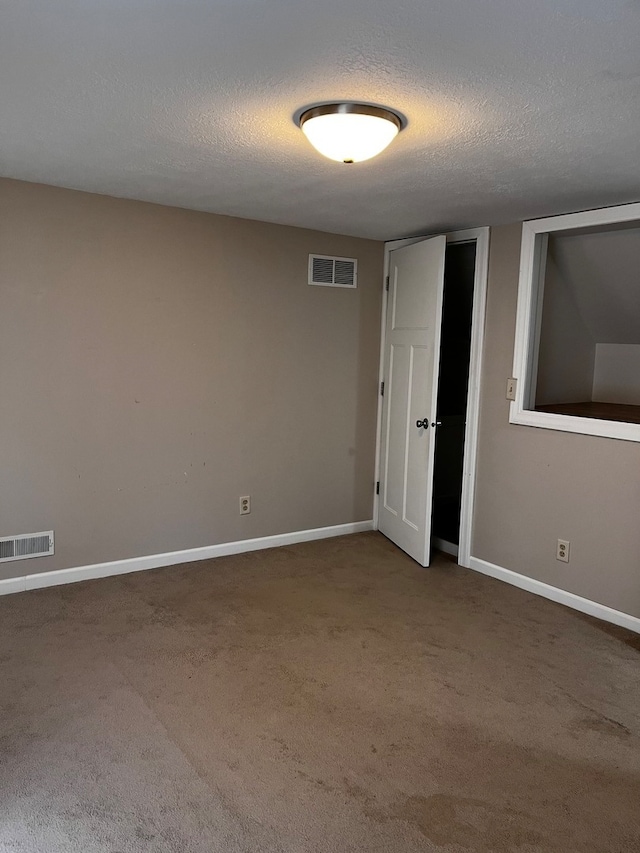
[{"x": 511, "y": 388}]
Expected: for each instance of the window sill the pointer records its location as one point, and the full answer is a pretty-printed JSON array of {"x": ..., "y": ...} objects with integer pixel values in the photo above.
[
  {"x": 601, "y": 411},
  {"x": 565, "y": 418}
]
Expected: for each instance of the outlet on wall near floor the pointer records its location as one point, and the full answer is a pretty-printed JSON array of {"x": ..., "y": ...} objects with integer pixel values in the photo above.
[
  {"x": 245, "y": 505},
  {"x": 562, "y": 552}
]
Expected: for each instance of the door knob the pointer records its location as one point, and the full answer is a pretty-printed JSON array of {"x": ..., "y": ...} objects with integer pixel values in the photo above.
[{"x": 424, "y": 423}]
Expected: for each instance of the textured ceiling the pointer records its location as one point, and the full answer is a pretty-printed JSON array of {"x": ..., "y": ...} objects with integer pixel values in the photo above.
[{"x": 516, "y": 109}]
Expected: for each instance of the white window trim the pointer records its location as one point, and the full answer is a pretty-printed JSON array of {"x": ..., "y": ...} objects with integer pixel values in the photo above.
[{"x": 529, "y": 315}]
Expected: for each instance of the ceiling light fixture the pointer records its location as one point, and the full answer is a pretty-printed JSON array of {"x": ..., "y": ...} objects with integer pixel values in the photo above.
[{"x": 350, "y": 133}]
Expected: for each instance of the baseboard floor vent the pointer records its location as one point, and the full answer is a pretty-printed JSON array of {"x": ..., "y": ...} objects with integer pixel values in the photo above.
[
  {"x": 26, "y": 546},
  {"x": 328, "y": 271}
]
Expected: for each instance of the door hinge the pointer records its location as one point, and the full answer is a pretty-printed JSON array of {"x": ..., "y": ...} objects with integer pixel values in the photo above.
[
  {"x": 387, "y": 284},
  {"x": 378, "y": 487},
  {"x": 382, "y": 389}
]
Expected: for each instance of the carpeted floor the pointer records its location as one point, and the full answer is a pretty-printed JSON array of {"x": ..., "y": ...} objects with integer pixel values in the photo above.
[{"x": 331, "y": 696}]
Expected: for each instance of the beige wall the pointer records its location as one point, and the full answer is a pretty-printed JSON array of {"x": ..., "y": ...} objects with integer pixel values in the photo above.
[
  {"x": 156, "y": 364},
  {"x": 567, "y": 348},
  {"x": 616, "y": 376},
  {"x": 535, "y": 485}
]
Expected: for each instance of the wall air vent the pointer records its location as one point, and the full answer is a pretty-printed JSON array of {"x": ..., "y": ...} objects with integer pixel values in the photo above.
[
  {"x": 328, "y": 271},
  {"x": 26, "y": 546}
]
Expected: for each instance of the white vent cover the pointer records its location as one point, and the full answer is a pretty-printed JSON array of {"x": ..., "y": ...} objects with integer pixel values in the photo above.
[
  {"x": 328, "y": 271},
  {"x": 26, "y": 546}
]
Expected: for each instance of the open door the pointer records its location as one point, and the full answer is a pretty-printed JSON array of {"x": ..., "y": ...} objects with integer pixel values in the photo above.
[{"x": 412, "y": 347}]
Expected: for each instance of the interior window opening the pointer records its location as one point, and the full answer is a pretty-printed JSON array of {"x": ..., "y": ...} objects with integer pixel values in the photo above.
[{"x": 589, "y": 346}]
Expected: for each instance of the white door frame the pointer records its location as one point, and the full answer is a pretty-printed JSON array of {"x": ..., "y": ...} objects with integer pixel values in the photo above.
[{"x": 481, "y": 238}]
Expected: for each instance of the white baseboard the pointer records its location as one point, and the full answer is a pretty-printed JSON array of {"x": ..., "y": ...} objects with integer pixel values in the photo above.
[
  {"x": 560, "y": 596},
  {"x": 12, "y": 585},
  {"x": 444, "y": 545},
  {"x": 172, "y": 558}
]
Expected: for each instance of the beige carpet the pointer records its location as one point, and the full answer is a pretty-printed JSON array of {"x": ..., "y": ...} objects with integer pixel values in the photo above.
[{"x": 330, "y": 696}]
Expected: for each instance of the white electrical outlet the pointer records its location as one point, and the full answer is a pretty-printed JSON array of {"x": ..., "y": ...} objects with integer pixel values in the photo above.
[
  {"x": 245, "y": 505},
  {"x": 511, "y": 388},
  {"x": 562, "y": 552}
]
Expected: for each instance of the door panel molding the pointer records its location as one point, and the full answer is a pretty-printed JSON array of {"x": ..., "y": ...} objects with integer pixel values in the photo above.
[{"x": 413, "y": 328}]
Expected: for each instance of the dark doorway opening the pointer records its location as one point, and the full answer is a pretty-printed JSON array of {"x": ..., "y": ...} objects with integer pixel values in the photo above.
[{"x": 455, "y": 356}]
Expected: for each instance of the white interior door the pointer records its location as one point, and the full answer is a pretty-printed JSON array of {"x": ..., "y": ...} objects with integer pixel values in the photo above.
[{"x": 411, "y": 366}]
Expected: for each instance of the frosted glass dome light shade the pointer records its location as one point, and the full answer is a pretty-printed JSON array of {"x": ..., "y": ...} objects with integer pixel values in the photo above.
[{"x": 350, "y": 133}]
